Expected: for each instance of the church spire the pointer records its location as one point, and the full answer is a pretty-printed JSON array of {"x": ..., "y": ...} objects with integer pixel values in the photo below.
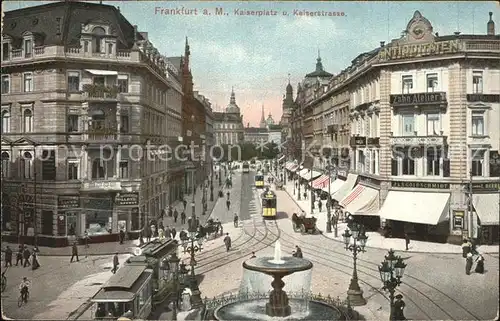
[
  {"x": 232, "y": 100},
  {"x": 319, "y": 64},
  {"x": 187, "y": 53},
  {"x": 262, "y": 118}
]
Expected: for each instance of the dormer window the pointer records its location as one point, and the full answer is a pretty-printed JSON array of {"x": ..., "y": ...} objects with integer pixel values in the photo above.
[
  {"x": 98, "y": 39},
  {"x": 28, "y": 48}
]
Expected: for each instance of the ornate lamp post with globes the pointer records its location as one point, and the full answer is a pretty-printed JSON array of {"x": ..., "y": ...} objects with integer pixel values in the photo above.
[
  {"x": 330, "y": 169},
  {"x": 391, "y": 272},
  {"x": 357, "y": 232},
  {"x": 192, "y": 246}
]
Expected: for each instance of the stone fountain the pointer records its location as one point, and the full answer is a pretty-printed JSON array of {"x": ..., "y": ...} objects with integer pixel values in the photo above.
[{"x": 277, "y": 306}]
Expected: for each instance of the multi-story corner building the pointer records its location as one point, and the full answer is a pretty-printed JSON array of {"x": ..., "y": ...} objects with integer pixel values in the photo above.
[
  {"x": 82, "y": 99},
  {"x": 207, "y": 137},
  {"x": 313, "y": 86},
  {"x": 228, "y": 125},
  {"x": 425, "y": 110}
]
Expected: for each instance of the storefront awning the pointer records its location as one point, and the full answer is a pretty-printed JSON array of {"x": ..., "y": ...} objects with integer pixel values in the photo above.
[
  {"x": 320, "y": 182},
  {"x": 335, "y": 185},
  {"x": 346, "y": 187},
  {"x": 294, "y": 168},
  {"x": 102, "y": 72},
  {"x": 416, "y": 207},
  {"x": 309, "y": 174},
  {"x": 362, "y": 200},
  {"x": 487, "y": 207}
]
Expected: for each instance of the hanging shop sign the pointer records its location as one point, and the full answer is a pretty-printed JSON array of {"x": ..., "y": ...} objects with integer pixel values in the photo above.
[
  {"x": 483, "y": 98},
  {"x": 127, "y": 199}
]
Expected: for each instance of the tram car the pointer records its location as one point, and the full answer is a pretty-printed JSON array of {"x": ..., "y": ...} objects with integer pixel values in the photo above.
[
  {"x": 259, "y": 180},
  {"x": 269, "y": 205},
  {"x": 246, "y": 167}
]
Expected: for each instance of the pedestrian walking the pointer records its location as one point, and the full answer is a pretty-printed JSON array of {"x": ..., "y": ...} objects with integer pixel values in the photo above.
[
  {"x": 8, "y": 256},
  {"x": 235, "y": 220},
  {"x": 228, "y": 204},
  {"x": 228, "y": 194},
  {"x": 305, "y": 195},
  {"x": 162, "y": 214},
  {"x": 227, "y": 242},
  {"x": 168, "y": 233},
  {"x": 479, "y": 264},
  {"x": 122, "y": 236},
  {"x": 74, "y": 253},
  {"x": 173, "y": 232},
  {"x": 465, "y": 248},
  {"x": 170, "y": 211},
  {"x": 161, "y": 234},
  {"x": 320, "y": 205},
  {"x": 399, "y": 306},
  {"x": 468, "y": 263},
  {"x": 19, "y": 255},
  {"x": 115, "y": 263},
  {"x": 34, "y": 261},
  {"x": 176, "y": 214},
  {"x": 407, "y": 240},
  {"x": 26, "y": 256},
  {"x": 86, "y": 239},
  {"x": 184, "y": 202},
  {"x": 183, "y": 217},
  {"x": 141, "y": 237}
]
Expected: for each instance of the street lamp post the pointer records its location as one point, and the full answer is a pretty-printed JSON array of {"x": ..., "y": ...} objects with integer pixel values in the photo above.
[
  {"x": 329, "y": 200},
  {"x": 220, "y": 175},
  {"x": 212, "y": 184},
  {"x": 391, "y": 272},
  {"x": 312, "y": 192},
  {"x": 298, "y": 182},
  {"x": 357, "y": 232},
  {"x": 192, "y": 249},
  {"x": 174, "y": 269}
]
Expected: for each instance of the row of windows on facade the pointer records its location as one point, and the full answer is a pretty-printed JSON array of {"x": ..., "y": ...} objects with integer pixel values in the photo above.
[
  {"x": 97, "y": 44},
  {"x": 227, "y": 126},
  {"x": 432, "y": 82},
  {"x": 73, "y": 82},
  {"x": 26, "y": 168}
]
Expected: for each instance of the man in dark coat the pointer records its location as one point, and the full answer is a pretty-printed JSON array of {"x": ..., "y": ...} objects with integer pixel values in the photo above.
[
  {"x": 184, "y": 202},
  {"x": 227, "y": 242},
  {"x": 74, "y": 253},
  {"x": 228, "y": 204},
  {"x": 122, "y": 236},
  {"x": 298, "y": 252},
  {"x": 170, "y": 211},
  {"x": 183, "y": 217},
  {"x": 407, "y": 240},
  {"x": 19, "y": 255},
  {"x": 26, "y": 256},
  {"x": 8, "y": 256},
  {"x": 235, "y": 220},
  {"x": 320, "y": 205},
  {"x": 115, "y": 263},
  {"x": 399, "y": 306},
  {"x": 176, "y": 215},
  {"x": 173, "y": 232},
  {"x": 168, "y": 233}
]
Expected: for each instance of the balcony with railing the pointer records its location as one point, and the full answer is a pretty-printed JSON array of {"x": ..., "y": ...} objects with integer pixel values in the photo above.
[{"x": 100, "y": 92}]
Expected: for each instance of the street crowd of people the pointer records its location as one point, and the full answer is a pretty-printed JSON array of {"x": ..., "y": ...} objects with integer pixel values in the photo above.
[
  {"x": 472, "y": 256},
  {"x": 24, "y": 256}
]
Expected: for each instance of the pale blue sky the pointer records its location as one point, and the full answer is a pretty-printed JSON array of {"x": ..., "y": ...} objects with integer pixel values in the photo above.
[{"x": 255, "y": 54}]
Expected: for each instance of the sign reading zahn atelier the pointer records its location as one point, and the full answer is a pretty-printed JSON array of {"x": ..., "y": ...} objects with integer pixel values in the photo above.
[
  {"x": 418, "y": 99},
  {"x": 430, "y": 185}
]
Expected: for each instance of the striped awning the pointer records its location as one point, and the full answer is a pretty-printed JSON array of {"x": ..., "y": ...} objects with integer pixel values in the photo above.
[
  {"x": 362, "y": 200},
  {"x": 289, "y": 165},
  {"x": 281, "y": 158},
  {"x": 320, "y": 182},
  {"x": 294, "y": 167}
]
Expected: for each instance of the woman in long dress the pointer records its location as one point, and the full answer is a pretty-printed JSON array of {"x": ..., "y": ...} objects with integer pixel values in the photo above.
[
  {"x": 34, "y": 261},
  {"x": 479, "y": 264}
]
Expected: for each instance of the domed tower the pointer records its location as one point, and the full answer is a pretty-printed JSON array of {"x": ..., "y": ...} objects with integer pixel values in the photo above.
[{"x": 232, "y": 107}]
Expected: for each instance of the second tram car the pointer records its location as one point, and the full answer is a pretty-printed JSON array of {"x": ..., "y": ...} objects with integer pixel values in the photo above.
[
  {"x": 269, "y": 205},
  {"x": 246, "y": 167},
  {"x": 259, "y": 180}
]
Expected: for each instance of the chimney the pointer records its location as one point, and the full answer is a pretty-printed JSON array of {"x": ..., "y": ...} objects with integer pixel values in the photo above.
[
  {"x": 135, "y": 33},
  {"x": 491, "y": 26},
  {"x": 382, "y": 44}
]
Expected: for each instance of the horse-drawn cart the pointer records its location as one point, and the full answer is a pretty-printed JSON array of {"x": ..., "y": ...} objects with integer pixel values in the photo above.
[{"x": 304, "y": 224}]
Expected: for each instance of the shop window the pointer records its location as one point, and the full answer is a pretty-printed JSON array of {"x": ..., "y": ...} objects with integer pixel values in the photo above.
[
  {"x": 71, "y": 223},
  {"x": 5, "y": 121},
  {"x": 47, "y": 222}
]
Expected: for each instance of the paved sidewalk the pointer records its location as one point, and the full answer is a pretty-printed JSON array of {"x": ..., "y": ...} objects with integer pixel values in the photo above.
[{"x": 375, "y": 240}]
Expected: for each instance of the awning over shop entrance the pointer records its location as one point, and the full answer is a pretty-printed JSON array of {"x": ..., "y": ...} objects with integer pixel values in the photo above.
[
  {"x": 102, "y": 72},
  {"x": 362, "y": 200},
  {"x": 415, "y": 207},
  {"x": 487, "y": 207},
  {"x": 320, "y": 182},
  {"x": 346, "y": 187},
  {"x": 335, "y": 185},
  {"x": 303, "y": 171},
  {"x": 307, "y": 175}
]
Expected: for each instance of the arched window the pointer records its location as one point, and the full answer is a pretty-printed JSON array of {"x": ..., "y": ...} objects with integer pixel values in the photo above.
[
  {"x": 26, "y": 165},
  {"x": 5, "y": 164},
  {"x": 97, "y": 40},
  {"x": 27, "y": 121},
  {"x": 5, "y": 121},
  {"x": 98, "y": 169}
]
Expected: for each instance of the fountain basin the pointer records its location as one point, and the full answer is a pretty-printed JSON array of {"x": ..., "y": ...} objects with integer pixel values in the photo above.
[
  {"x": 256, "y": 310},
  {"x": 287, "y": 265}
]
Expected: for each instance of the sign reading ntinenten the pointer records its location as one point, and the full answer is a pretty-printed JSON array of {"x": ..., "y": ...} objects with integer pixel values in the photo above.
[
  {"x": 418, "y": 99},
  {"x": 419, "y": 50}
]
